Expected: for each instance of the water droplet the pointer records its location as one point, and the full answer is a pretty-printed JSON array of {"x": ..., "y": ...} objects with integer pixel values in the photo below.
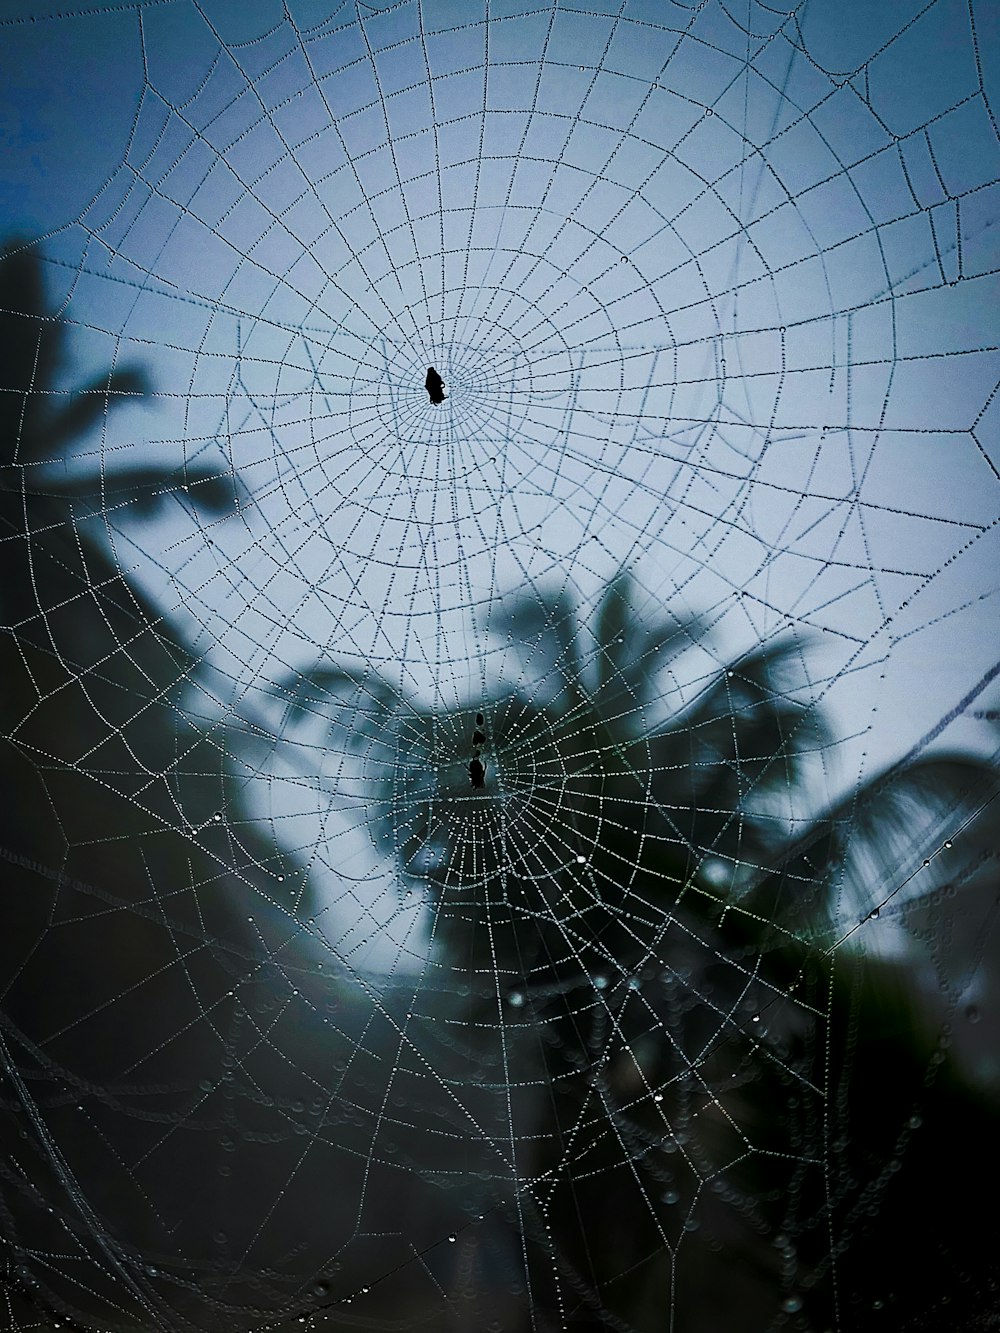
[
  {"x": 581, "y": 860},
  {"x": 515, "y": 998},
  {"x": 452, "y": 1239},
  {"x": 791, "y": 1304},
  {"x": 947, "y": 842},
  {"x": 218, "y": 816},
  {"x": 915, "y": 1122},
  {"x": 657, "y": 1096},
  {"x": 670, "y": 1196},
  {"x": 755, "y": 1019},
  {"x": 600, "y": 982}
]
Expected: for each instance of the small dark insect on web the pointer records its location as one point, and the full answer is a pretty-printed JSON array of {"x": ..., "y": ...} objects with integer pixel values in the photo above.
[
  {"x": 434, "y": 385},
  {"x": 477, "y": 769}
]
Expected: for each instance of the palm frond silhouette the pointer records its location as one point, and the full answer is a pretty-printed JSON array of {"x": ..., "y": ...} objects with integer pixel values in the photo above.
[{"x": 651, "y": 938}]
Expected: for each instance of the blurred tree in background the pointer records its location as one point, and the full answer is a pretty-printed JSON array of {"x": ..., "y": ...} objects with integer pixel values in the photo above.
[
  {"x": 131, "y": 972},
  {"x": 733, "y": 1111},
  {"x": 650, "y": 1048},
  {"x": 192, "y": 1127}
]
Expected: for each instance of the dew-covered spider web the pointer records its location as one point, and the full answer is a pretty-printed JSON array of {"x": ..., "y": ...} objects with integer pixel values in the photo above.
[{"x": 522, "y": 861}]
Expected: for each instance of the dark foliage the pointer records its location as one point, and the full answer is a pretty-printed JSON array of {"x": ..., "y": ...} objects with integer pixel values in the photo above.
[{"x": 730, "y": 1110}]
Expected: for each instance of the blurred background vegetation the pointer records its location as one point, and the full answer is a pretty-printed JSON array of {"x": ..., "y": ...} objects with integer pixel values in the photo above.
[{"x": 649, "y": 1066}]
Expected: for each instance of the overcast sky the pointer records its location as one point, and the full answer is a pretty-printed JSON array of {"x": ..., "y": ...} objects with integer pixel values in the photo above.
[{"x": 706, "y": 306}]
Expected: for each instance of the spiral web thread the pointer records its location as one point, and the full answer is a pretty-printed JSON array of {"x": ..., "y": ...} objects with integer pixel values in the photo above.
[{"x": 708, "y": 290}]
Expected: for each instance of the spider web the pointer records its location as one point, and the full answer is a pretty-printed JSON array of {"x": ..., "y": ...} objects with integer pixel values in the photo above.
[{"x": 300, "y": 1023}]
